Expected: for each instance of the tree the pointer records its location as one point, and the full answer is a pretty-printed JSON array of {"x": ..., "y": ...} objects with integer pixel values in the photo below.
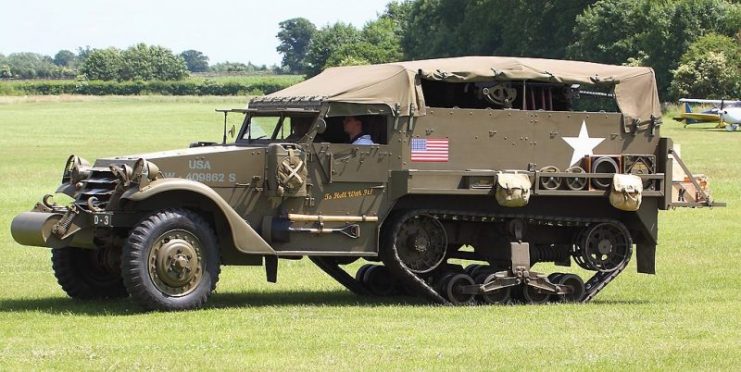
[
  {"x": 710, "y": 68},
  {"x": 295, "y": 37},
  {"x": 32, "y": 66},
  {"x": 330, "y": 41},
  {"x": 195, "y": 60},
  {"x": 443, "y": 28},
  {"x": 144, "y": 62},
  {"x": 382, "y": 41},
  {"x": 398, "y": 13},
  {"x": 103, "y": 64},
  {"x": 5, "y": 72},
  {"x": 83, "y": 53},
  {"x": 64, "y": 58},
  {"x": 654, "y": 33}
]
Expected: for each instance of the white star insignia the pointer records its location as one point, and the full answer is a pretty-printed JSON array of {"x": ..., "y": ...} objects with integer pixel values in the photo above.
[{"x": 583, "y": 145}]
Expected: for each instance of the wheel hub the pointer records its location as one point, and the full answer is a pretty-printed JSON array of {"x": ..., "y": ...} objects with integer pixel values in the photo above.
[
  {"x": 175, "y": 263},
  {"x": 421, "y": 243},
  {"x": 604, "y": 246}
]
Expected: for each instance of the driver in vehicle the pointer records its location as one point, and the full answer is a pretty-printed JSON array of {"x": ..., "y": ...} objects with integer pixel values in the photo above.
[{"x": 354, "y": 128}]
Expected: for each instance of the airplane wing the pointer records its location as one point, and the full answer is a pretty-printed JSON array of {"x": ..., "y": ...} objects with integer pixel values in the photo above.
[
  {"x": 711, "y": 101},
  {"x": 698, "y": 117}
]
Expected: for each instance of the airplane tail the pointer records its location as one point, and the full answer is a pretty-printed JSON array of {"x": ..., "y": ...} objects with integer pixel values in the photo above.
[{"x": 688, "y": 110}]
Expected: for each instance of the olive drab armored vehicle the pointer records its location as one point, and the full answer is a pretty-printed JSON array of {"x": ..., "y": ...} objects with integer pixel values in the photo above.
[{"x": 453, "y": 177}]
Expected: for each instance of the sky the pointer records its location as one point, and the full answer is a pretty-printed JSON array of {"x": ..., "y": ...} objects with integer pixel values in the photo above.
[{"x": 224, "y": 30}]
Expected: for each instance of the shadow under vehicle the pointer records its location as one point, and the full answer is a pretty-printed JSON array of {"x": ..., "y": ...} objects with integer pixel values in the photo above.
[{"x": 500, "y": 162}]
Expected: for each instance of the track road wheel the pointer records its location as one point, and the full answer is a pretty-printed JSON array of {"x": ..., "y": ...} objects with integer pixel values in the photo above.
[
  {"x": 451, "y": 285},
  {"x": 499, "y": 297},
  {"x": 553, "y": 277},
  {"x": 575, "y": 284},
  {"x": 88, "y": 274},
  {"x": 379, "y": 281},
  {"x": 469, "y": 270},
  {"x": 534, "y": 295},
  {"x": 361, "y": 272},
  {"x": 171, "y": 261}
]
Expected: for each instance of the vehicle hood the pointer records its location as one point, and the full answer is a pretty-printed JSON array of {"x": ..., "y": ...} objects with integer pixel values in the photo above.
[{"x": 217, "y": 166}]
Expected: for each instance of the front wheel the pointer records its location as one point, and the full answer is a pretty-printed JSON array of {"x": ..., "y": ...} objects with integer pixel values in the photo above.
[
  {"x": 171, "y": 261},
  {"x": 88, "y": 274}
]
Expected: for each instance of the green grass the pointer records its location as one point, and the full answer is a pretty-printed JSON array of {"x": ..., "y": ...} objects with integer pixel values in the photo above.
[{"x": 686, "y": 317}]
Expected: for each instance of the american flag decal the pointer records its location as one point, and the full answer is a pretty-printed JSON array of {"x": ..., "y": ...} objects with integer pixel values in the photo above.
[{"x": 430, "y": 150}]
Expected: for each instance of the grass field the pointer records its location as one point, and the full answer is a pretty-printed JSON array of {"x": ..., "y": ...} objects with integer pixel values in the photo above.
[{"x": 686, "y": 317}]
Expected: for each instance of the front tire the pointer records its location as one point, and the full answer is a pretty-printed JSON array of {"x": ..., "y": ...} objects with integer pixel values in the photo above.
[
  {"x": 171, "y": 261},
  {"x": 88, "y": 274}
]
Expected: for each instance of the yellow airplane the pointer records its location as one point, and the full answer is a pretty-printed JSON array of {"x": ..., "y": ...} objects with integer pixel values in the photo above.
[{"x": 727, "y": 113}]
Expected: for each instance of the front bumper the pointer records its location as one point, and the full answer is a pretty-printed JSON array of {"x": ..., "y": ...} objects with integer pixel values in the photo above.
[{"x": 59, "y": 227}]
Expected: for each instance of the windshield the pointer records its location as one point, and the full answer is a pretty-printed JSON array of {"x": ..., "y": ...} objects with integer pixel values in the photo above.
[{"x": 276, "y": 127}]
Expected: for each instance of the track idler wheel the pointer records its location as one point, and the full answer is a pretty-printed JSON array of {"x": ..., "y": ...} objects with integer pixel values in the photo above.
[
  {"x": 451, "y": 287},
  {"x": 498, "y": 297},
  {"x": 603, "y": 247}
]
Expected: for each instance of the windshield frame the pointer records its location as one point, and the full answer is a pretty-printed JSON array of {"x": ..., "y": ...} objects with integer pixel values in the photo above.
[{"x": 245, "y": 131}]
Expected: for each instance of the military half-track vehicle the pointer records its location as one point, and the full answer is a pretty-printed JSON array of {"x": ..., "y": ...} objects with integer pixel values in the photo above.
[{"x": 500, "y": 163}]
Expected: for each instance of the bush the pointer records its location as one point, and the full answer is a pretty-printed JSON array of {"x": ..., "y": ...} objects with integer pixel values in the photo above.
[{"x": 127, "y": 88}]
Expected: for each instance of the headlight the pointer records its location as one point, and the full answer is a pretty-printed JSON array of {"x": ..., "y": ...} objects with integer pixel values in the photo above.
[
  {"x": 144, "y": 172},
  {"x": 122, "y": 173},
  {"x": 76, "y": 170}
]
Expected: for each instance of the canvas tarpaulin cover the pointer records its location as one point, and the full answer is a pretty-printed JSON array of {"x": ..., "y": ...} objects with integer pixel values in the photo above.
[{"x": 397, "y": 84}]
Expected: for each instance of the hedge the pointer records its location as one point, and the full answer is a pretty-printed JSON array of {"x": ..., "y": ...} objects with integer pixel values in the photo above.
[{"x": 127, "y": 88}]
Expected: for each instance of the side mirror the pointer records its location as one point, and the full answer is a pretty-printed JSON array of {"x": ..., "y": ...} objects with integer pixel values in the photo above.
[{"x": 321, "y": 126}]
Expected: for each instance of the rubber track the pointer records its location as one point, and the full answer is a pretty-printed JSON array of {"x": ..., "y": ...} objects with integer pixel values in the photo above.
[{"x": 391, "y": 259}]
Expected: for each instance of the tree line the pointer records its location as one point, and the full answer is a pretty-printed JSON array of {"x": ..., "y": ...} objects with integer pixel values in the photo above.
[
  {"x": 694, "y": 46},
  {"x": 139, "y": 62}
]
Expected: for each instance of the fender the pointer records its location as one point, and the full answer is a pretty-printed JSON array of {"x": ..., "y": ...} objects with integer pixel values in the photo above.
[{"x": 245, "y": 238}]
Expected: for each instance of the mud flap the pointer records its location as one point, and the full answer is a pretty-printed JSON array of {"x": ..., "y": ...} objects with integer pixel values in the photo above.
[
  {"x": 271, "y": 268},
  {"x": 646, "y": 257}
]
